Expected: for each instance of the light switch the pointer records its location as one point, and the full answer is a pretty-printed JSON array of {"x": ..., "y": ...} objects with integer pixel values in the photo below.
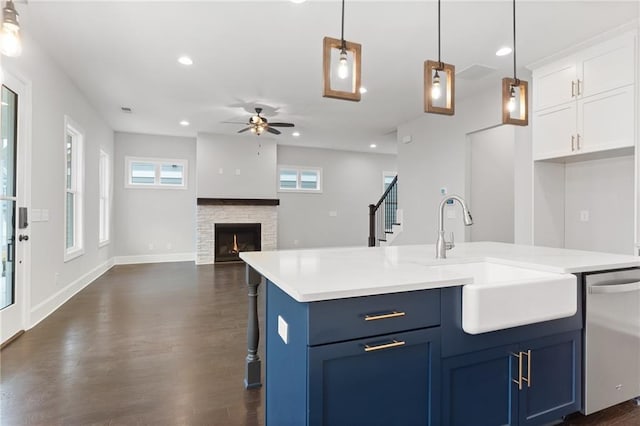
[
  {"x": 237, "y": 172},
  {"x": 44, "y": 215},
  {"x": 36, "y": 215},
  {"x": 584, "y": 215},
  {"x": 333, "y": 213},
  {"x": 283, "y": 330}
]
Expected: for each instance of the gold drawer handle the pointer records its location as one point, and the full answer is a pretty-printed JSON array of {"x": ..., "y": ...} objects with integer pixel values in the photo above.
[
  {"x": 394, "y": 344},
  {"x": 394, "y": 314}
]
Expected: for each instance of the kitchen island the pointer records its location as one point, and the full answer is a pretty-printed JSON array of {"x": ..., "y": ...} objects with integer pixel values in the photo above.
[{"x": 392, "y": 336}]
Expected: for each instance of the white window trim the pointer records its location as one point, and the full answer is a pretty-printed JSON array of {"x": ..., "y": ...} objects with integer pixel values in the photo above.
[
  {"x": 158, "y": 162},
  {"x": 299, "y": 170},
  {"x": 386, "y": 174},
  {"x": 77, "y": 250},
  {"x": 104, "y": 158}
]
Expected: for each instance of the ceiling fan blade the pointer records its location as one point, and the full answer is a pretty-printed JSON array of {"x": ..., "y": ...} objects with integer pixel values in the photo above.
[
  {"x": 244, "y": 130},
  {"x": 274, "y": 131},
  {"x": 282, "y": 124}
]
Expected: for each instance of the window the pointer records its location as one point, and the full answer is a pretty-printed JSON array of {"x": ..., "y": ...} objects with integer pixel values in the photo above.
[
  {"x": 74, "y": 183},
  {"x": 299, "y": 179},
  {"x": 105, "y": 195},
  {"x": 155, "y": 173},
  {"x": 387, "y": 178}
]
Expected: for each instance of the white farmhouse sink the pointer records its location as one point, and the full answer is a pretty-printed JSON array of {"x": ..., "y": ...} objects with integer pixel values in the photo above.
[{"x": 504, "y": 296}]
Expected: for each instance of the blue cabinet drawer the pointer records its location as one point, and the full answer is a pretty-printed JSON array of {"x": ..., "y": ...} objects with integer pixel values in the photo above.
[{"x": 354, "y": 318}]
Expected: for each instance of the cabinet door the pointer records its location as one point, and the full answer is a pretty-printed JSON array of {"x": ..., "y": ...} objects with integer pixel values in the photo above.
[
  {"x": 606, "y": 121},
  {"x": 387, "y": 380},
  {"x": 608, "y": 66},
  {"x": 477, "y": 389},
  {"x": 553, "y": 130},
  {"x": 552, "y": 84},
  {"x": 554, "y": 374}
]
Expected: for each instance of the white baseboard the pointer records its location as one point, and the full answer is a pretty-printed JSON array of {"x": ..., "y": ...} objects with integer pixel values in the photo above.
[
  {"x": 47, "y": 307},
  {"x": 155, "y": 258}
]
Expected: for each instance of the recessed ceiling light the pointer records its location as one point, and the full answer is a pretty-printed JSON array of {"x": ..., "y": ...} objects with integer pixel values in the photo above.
[
  {"x": 363, "y": 89},
  {"x": 373, "y": 145},
  {"x": 295, "y": 134},
  {"x": 185, "y": 60},
  {"x": 504, "y": 51},
  {"x": 184, "y": 123}
]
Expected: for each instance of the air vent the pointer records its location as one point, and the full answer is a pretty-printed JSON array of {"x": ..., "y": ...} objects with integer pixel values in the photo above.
[
  {"x": 127, "y": 110},
  {"x": 475, "y": 72}
]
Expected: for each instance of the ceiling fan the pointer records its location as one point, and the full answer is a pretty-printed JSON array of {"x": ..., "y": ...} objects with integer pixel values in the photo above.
[{"x": 259, "y": 124}]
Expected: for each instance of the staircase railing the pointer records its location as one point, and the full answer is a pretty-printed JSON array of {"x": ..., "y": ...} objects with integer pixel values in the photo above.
[{"x": 383, "y": 214}]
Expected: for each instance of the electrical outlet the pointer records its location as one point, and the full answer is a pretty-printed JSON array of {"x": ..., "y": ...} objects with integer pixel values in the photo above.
[
  {"x": 151, "y": 246},
  {"x": 220, "y": 171},
  {"x": 237, "y": 172},
  {"x": 169, "y": 246},
  {"x": 333, "y": 213}
]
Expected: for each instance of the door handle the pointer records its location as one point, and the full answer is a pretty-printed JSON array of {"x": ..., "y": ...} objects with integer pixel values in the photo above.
[{"x": 23, "y": 238}]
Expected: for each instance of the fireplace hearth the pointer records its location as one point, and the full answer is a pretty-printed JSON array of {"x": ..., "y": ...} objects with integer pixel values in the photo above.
[{"x": 232, "y": 238}]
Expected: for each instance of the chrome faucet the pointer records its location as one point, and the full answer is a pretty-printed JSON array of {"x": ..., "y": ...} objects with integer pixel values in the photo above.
[{"x": 442, "y": 245}]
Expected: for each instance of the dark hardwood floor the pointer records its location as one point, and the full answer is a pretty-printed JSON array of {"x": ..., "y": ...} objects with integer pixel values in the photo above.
[{"x": 160, "y": 344}]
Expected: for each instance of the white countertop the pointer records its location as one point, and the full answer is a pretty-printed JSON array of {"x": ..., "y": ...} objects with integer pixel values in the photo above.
[{"x": 334, "y": 273}]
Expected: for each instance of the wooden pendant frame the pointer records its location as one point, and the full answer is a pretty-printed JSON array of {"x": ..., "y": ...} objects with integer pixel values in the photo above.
[
  {"x": 447, "y": 72},
  {"x": 356, "y": 50},
  {"x": 523, "y": 87}
]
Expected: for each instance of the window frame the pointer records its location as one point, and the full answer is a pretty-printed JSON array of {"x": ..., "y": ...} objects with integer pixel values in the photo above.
[
  {"x": 157, "y": 163},
  {"x": 299, "y": 170},
  {"x": 72, "y": 129},
  {"x": 104, "y": 203}
]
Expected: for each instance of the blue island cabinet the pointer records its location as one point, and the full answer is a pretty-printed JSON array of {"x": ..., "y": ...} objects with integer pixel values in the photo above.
[
  {"x": 372, "y": 360},
  {"x": 533, "y": 382}
]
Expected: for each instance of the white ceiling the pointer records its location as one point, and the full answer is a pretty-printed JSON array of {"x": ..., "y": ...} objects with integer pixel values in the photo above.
[{"x": 123, "y": 53}]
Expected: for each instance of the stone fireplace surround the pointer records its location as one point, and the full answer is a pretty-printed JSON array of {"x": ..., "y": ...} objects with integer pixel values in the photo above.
[{"x": 234, "y": 210}]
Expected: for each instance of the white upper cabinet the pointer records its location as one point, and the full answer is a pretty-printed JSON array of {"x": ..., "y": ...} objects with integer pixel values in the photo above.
[{"x": 585, "y": 103}]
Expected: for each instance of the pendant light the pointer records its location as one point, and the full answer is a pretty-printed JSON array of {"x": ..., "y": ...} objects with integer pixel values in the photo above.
[
  {"x": 515, "y": 92},
  {"x": 439, "y": 99},
  {"x": 10, "y": 43},
  {"x": 341, "y": 61}
]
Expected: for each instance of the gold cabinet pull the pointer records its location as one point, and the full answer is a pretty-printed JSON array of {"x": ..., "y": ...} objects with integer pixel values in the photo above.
[
  {"x": 573, "y": 143},
  {"x": 578, "y": 142},
  {"x": 393, "y": 344},
  {"x": 579, "y": 87},
  {"x": 394, "y": 314},
  {"x": 573, "y": 88},
  {"x": 528, "y": 378},
  {"x": 520, "y": 378}
]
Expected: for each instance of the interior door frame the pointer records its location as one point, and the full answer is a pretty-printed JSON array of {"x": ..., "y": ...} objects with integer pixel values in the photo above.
[{"x": 23, "y": 87}]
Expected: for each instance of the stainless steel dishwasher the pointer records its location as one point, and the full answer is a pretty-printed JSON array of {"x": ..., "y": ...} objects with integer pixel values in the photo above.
[{"x": 612, "y": 339}]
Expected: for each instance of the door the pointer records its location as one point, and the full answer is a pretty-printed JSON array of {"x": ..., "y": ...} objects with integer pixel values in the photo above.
[
  {"x": 552, "y": 367},
  {"x": 478, "y": 388},
  {"x": 389, "y": 380},
  {"x": 491, "y": 184},
  {"x": 13, "y": 220}
]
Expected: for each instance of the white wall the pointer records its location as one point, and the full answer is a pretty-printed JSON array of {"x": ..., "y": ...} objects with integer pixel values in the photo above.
[
  {"x": 351, "y": 181},
  {"x": 53, "y": 96},
  {"x": 154, "y": 224},
  {"x": 236, "y": 166},
  {"x": 436, "y": 158},
  {"x": 604, "y": 189},
  {"x": 491, "y": 184}
]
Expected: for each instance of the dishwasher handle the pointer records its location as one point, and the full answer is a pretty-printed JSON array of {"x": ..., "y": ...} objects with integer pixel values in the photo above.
[{"x": 614, "y": 288}]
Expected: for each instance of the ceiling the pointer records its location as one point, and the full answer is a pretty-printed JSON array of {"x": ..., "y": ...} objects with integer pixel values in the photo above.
[{"x": 268, "y": 53}]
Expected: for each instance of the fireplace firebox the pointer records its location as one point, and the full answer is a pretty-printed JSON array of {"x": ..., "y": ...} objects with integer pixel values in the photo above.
[{"x": 232, "y": 238}]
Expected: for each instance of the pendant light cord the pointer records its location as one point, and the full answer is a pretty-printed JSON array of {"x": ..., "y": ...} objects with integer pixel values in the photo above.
[
  {"x": 344, "y": 44},
  {"x": 514, "y": 41},
  {"x": 439, "y": 60}
]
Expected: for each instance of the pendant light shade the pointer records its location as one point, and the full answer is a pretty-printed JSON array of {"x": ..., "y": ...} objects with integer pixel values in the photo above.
[
  {"x": 439, "y": 83},
  {"x": 341, "y": 70},
  {"x": 515, "y": 92},
  {"x": 10, "y": 43}
]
